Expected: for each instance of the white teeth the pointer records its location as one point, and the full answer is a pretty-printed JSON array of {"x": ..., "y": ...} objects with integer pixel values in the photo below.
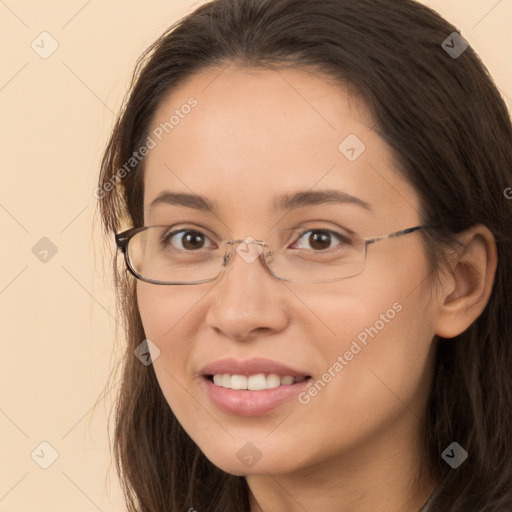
[
  {"x": 226, "y": 381},
  {"x": 238, "y": 382},
  {"x": 255, "y": 382},
  {"x": 274, "y": 381}
]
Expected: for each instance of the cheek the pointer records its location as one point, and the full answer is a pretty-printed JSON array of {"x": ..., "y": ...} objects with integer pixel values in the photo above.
[
  {"x": 378, "y": 367},
  {"x": 169, "y": 322},
  {"x": 379, "y": 354},
  {"x": 166, "y": 311},
  {"x": 155, "y": 307},
  {"x": 168, "y": 319}
]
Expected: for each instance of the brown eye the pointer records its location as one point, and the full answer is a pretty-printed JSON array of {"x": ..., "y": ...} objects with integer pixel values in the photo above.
[
  {"x": 188, "y": 240},
  {"x": 320, "y": 239}
]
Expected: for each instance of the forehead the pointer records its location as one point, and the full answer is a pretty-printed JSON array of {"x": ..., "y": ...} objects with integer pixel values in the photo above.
[{"x": 254, "y": 134}]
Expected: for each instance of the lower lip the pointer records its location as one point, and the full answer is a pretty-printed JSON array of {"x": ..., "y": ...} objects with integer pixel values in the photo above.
[{"x": 251, "y": 403}]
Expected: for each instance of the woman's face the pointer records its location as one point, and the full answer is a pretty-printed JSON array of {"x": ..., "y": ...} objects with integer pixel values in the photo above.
[{"x": 251, "y": 137}]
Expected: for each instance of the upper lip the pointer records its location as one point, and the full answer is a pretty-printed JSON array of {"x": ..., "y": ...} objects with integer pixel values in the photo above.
[{"x": 251, "y": 367}]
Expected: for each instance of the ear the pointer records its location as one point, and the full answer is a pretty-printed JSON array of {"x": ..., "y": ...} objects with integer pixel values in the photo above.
[{"x": 467, "y": 286}]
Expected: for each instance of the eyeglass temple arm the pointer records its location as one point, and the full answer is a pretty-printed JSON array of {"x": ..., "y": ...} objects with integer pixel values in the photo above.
[
  {"x": 394, "y": 235},
  {"x": 122, "y": 240}
]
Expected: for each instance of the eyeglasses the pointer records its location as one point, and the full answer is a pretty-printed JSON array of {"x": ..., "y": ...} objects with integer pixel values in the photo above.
[{"x": 164, "y": 255}]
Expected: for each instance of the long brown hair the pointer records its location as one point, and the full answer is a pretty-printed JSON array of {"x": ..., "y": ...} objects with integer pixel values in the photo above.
[{"x": 450, "y": 133}]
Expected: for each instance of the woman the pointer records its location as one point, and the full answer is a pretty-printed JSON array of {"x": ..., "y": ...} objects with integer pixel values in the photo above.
[{"x": 311, "y": 200}]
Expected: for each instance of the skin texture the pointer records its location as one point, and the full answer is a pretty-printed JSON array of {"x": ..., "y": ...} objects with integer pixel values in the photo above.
[{"x": 355, "y": 446}]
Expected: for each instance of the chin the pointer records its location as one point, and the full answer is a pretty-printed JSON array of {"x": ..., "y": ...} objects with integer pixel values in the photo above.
[{"x": 243, "y": 457}]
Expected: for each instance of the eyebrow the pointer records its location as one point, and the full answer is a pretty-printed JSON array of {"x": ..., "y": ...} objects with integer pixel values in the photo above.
[
  {"x": 282, "y": 202},
  {"x": 312, "y": 198}
]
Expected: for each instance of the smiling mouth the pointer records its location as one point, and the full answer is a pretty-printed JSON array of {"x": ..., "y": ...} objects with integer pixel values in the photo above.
[{"x": 255, "y": 382}]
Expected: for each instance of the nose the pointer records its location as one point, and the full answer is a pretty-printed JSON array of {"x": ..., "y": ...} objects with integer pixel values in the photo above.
[{"x": 248, "y": 298}]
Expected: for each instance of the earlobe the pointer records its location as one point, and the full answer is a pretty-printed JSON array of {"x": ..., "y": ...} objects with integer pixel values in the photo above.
[{"x": 468, "y": 287}]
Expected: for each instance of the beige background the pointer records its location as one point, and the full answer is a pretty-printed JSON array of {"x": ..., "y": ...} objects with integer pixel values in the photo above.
[{"x": 58, "y": 316}]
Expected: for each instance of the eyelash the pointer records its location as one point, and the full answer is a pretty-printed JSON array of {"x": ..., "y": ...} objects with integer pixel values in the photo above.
[{"x": 344, "y": 239}]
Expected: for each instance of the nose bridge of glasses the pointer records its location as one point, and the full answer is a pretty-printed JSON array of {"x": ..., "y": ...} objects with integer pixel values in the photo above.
[
  {"x": 247, "y": 240},
  {"x": 248, "y": 248}
]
